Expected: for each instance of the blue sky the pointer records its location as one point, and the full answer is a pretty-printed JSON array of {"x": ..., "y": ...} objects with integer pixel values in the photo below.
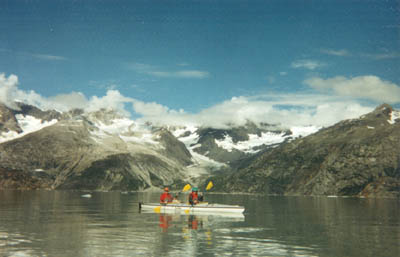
[{"x": 199, "y": 59}]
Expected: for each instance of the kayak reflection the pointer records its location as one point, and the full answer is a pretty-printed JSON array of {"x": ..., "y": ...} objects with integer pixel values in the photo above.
[
  {"x": 193, "y": 222},
  {"x": 169, "y": 220},
  {"x": 165, "y": 222}
]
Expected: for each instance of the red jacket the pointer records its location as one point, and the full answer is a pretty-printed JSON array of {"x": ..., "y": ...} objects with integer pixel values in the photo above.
[
  {"x": 165, "y": 197},
  {"x": 193, "y": 196}
]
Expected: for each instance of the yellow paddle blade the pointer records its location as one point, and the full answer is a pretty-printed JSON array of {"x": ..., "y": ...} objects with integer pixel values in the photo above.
[
  {"x": 210, "y": 185},
  {"x": 187, "y": 187},
  {"x": 157, "y": 209}
]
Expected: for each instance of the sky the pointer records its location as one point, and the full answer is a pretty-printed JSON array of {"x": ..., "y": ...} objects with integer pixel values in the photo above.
[{"x": 288, "y": 62}]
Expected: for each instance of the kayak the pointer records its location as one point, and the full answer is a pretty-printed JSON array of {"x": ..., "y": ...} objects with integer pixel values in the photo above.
[{"x": 200, "y": 208}]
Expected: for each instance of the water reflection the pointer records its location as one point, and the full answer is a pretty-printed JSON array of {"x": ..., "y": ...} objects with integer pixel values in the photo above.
[
  {"x": 192, "y": 222},
  {"x": 168, "y": 220},
  {"x": 109, "y": 224},
  {"x": 165, "y": 221}
]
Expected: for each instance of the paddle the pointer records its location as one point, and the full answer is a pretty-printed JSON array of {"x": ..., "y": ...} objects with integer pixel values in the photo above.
[
  {"x": 209, "y": 186},
  {"x": 187, "y": 187}
]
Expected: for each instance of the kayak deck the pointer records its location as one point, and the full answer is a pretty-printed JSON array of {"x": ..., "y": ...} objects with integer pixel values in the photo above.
[{"x": 205, "y": 208}]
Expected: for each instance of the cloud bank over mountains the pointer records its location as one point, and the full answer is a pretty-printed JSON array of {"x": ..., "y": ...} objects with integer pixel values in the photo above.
[
  {"x": 331, "y": 100},
  {"x": 366, "y": 87}
]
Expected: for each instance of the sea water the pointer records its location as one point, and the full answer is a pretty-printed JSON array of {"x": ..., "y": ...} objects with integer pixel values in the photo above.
[{"x": 71, "y": 223}]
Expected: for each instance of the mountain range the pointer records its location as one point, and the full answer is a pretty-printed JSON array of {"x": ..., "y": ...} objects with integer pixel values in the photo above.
[
  {"x": 358, "y": 157},
  {"x": 103, "y": 150}
]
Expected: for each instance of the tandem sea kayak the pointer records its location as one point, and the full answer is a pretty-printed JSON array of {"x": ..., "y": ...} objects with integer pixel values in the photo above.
[{"x": 201, "y": 208}]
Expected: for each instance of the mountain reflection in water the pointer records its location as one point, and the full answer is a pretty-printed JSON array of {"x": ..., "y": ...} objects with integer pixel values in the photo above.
[{"x": 60, "y": 223}]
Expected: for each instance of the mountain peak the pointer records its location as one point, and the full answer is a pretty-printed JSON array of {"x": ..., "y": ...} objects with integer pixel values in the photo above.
[
  {"x": 103, "y": 115},
  {"x": 384, "y": 109},
  {"x": 8, "y": 122},
  {"x": 383, "y": 113}
]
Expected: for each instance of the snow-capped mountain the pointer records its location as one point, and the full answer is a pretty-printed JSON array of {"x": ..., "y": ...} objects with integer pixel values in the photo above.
[
  {"x": 209, "y": 147},
  {"x": 103, "y": 150},
  {"x": 69, "y": 145},
  {"x": 99, "y": 150},
  {"x": 231, "y": 144},
  {"x": 357, "y": 157}
]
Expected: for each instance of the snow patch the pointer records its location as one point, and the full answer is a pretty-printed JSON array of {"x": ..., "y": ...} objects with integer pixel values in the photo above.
[
  {"x": 304, "y": 131},
  {"x": 127, "y": 130},
  {"x": 194, "y": 146},
  {"x": 28, "y": 124},
  {"x": 394, "y": 115},
  {"x": 181, "y": 131},
  {"x": 144, "y": 138},
  {"x": 201, "y": 162},
  {"x": 266, "y": 138},
  {"x": 116, "y": 126},
  {"x": 190, "y": 141}
]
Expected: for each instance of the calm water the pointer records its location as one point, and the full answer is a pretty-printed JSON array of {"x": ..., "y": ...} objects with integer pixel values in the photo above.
[{"x": 46, "y": 223}]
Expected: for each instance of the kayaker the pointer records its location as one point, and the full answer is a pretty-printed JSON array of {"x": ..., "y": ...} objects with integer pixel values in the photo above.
[
  {"x": 166, "y": 197},
  {"x": 193, "y": 196}
]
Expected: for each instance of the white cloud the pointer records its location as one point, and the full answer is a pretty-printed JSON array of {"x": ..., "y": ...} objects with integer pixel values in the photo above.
[
  {"x": 49, "y": 57},
  {"x": 140, "y": 67},
  {"x": 162, "y": 115},
  {"x": 307, "y": 64},
  {"x": 70, "y": 101},
  {"x": 366, "y": 87},
  {"x": 341, "y": 52},
  {"x": 157, "y": 72},
  {"x": 287, "y": 110},
  {"x": 8, "y": 88},
  {"x": 36, "y": 55},
  {"x": 195, "y": 74},
  {"x": 9, "y": 92},
  {"x": 150, "y": 109},
  {"x": 383, "y": 56},
  {"x": 112, "y": 100}
]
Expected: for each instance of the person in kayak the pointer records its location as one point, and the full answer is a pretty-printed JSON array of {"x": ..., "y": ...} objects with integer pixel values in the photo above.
[
  {"x": 193, "y": 196},
  {"x": 166, "y": 197}
]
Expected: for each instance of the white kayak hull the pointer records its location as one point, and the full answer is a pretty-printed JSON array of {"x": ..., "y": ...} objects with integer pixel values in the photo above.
[{"x": 201, "y": 208}]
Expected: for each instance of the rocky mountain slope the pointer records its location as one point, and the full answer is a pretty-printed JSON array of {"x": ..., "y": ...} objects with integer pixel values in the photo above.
[
  {"x": 231, "y": 146},
  {"x": 97, "y": 151},
  {"x": 359, "y": 157},
  {"x": 105, "y": 151}
]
